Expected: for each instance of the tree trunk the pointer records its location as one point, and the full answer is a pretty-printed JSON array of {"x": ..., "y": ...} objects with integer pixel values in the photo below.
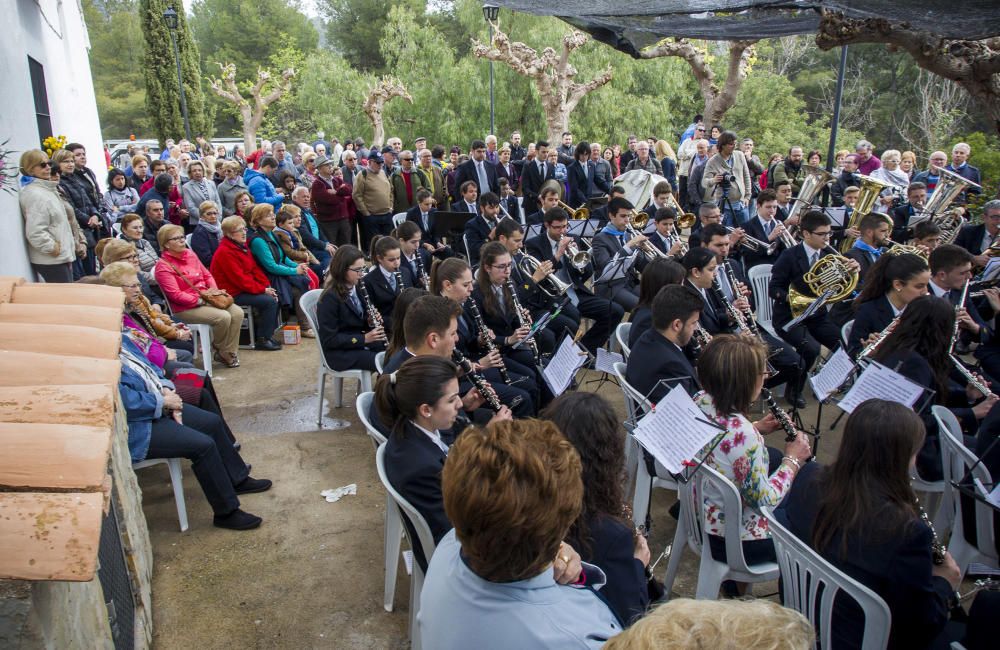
[
  {"x": 226, "y": 88},
  {"x": 383, "y": 91}
]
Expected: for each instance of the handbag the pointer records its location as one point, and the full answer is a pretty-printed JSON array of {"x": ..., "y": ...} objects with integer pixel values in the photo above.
[{"x": 218, "y": 298}]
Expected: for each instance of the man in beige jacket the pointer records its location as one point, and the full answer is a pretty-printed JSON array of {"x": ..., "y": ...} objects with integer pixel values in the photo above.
[
  {"x": 727, "y": 181},
  {"x": 373, "y": 198}
]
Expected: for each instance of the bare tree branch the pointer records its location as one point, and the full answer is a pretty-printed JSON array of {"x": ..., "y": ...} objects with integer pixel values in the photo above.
[
  {"x": 383, "y": 91},
  {"x": 252, "y": 117}
]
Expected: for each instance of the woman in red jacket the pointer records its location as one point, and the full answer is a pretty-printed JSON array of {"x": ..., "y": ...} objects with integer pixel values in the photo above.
[
  {"x": 235, "y": 270},
  {"x": 330, "y": 197}
]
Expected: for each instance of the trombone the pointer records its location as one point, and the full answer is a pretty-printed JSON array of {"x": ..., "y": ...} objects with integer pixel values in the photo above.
[{"x": 579, "y": 213}]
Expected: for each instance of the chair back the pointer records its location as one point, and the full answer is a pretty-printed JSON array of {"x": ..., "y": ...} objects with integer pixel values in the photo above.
[
  {"x": 759, "y": 277},
  {"x": 187, "y": 240},
  {"x": 635, "y": 404},
  {"x": 398, "y": 218},
  {"x": 364, "y": 405},
  {"x": 845, "y": 333},
  {"x": 380, "y": 362},
  {"x": 709, "y": 482},
  {"x": 621, "y": 337},
  {"x": 956, "y": 460},
  {"x": 425, "y": 540},
  {"x": 810, "y": 584}
]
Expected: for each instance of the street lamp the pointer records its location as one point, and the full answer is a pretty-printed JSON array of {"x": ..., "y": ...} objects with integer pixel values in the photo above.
[
  {"x": 170, "y": 18},
  {"x": 490, "y": 13}
]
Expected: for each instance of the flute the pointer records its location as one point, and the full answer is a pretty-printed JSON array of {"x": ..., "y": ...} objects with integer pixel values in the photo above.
[
  {"x": 871, "y": 347},
  {"x": 969, "y": 377},
  {"x": 487, "y": 340}
]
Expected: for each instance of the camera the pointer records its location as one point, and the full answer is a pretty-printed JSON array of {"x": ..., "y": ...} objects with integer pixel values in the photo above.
[{"x": 726, "y": 184}]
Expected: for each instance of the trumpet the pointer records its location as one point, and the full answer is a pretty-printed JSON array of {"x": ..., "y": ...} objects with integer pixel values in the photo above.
[
  {"x": 550, "y": 285},
  {"x": 754, "y": 244},
  {"x": 579, "y": 213},
  {"x": 636, "y": 222},
  {"x": 579, "y": 259}
]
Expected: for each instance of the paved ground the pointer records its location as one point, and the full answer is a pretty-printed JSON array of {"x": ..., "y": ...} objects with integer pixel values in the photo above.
[{"x": 311, "y": 576}]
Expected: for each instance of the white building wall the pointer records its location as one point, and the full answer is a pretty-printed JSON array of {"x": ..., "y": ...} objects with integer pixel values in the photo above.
[{"x": 53, "y": 33}]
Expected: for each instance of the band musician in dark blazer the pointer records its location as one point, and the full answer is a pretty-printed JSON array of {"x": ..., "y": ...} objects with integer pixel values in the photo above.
[
  {"x": 616, "y": 242},
  {"x": 787, "y": 272},
  {"x": 658, "y": 354},
  {"x": 583, "y": 178},
  {"x": 346, "y": 335},
  {"x": 549, "y": 247},
  {"x": 385, "y": 281},
  {"x": 479, "y": 229},
  {"x": 533, "y": 175},
  {"x": 764, "y": 226},
  {"x": 423, "y": 214}
]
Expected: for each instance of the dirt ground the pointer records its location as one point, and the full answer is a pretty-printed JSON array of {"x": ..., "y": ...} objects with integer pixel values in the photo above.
[{"x": 312, "y": 575}]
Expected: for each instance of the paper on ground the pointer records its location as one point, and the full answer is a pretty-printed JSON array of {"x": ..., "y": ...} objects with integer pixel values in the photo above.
[
  {"x": 879, "y": 382},
  {"x": 332, "y": 496},
  {"x": 675, "y": 431}
]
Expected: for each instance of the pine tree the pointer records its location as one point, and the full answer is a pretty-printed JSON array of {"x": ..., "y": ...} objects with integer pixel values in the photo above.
[{"x": 162, "y": 96}]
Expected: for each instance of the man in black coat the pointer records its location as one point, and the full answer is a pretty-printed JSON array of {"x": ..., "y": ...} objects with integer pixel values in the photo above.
[
  {"x": 478, "y": 170},
  {"x": 658, "y": 355},
  {"x": 960, "y": 165},
  {"x": 764, "y": 226},
  {"x": 584, "y": 181},
  {"x": 848, "y": 178},
  {"x": 533, "y": 175},
  {"x": 916, "y": 197},
  {"x": 478, "y": 230},
  {"x": 977, "y": 238},
  {"x": 614, "y": 245}
]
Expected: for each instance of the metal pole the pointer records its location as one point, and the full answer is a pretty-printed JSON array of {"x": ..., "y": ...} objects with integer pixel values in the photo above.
[
  {"x": 831, "y": 152},
  {"x": 492, "y": 125},
  {"x": 180, "y": 84}
]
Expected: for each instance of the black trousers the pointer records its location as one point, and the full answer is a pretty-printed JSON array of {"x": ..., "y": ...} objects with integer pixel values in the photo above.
[
  {"x": 265, "y": 312},
  {"x": 356, "y": 359},
  {"x": 787, "y": 362},
  {"x": 374, "y": 224},
  {"x": 202, "y": 439},
  {"x": 606, "y": 316},
  {"x": 807, "y": 336},
  {"x": 337, "y": 233},
  {"x": 54, "y": 273}
]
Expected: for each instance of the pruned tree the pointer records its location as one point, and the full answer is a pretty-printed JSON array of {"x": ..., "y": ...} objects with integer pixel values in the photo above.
[
  {"x": 552, "y": 74},
  {"x": 933, "y": 119},
  {"x": 384, "y": 89},
  {"x": 717, "y": 100},
  {"x": 226, "y": 88},
  {"x": 973, "y": 65}
]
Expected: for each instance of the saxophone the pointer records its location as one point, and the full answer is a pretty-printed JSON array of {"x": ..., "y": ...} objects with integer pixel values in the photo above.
[
  {"x": 487, "y": 340},
  {"x": 523, "y": 318}
]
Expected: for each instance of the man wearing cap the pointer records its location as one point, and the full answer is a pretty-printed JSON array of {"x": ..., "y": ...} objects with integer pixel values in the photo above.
[
  {"x": 433, "y": 178},
  {"x": 419, "y": 143},
  {"x": 405, "y": 183},
  {"x": 389, "y": 160},
  {"x": 478, "y": 170},
  {"x": 373, "y": 199}
]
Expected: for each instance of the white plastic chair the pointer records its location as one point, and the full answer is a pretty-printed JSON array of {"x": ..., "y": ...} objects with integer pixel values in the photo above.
[
  {"x": 425, "y": 540},
  {"x": 845, "y": 333},
  {"x": 393, "y": 524},
  {"x": 804, "y": 572},
  {"x": 308, "y": 302},
  {"x": 116, "y": 228},
  {"x": 248, "y": 326},
  {"x": 621, "y": 338},
  {"x": 960, "y": 459},
  {"x": 759, "y": 278},
  {"x": 187, "y": 240},
  {"x": 635, "y": 463},
  {"x": 690, "y": 531},
  {"x": 201, "y": 338},
  {"x": 380, "y": 362},
  {"x": 176, "y": 482},
  {"x": 465, "y": 245},
  {"x": 398, "y": 218}
]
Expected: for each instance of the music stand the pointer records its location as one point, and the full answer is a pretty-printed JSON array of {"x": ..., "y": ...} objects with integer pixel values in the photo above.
[{"x": 451, "y": 224}]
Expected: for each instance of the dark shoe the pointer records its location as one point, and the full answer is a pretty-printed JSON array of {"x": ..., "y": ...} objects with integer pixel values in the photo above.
[
  {"x": 797, "y": 401},
  {"x": 251, "y": 485},
  {"x": 237, "y": 520},
  {"x": 729, "y": 589},
  {"x": 265, "y": 344},
  {"x": 226, "y": 359}
]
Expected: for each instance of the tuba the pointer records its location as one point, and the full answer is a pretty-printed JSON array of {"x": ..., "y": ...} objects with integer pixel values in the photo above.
[
  {"x": 829, "y": 277},
  {"x": 816, "y": 179},
  {"x": 550, "y": 285},
  {"x": 950, "y": 185},
  {"x": 871, "y": 189}
]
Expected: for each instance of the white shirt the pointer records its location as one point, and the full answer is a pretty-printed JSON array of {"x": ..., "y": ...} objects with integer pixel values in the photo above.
[
  {"x": 936, "y": 290},
  {"x": 810, "y": 251},
  {"x": 764, "y": 223},
  {"x": 389, "y": 275},
  {"x": 434, "y": 436}
]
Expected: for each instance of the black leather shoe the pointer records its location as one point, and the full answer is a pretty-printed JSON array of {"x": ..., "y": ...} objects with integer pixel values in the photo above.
[
  {"x": 266, "y": 344},
  {"x": 251, "y": 485},
  {"x": 237, "y": 520},
  {"x": 797, "y": 401}
]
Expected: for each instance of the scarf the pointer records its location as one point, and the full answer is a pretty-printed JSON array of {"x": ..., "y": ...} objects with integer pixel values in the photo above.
[
  {"x": 609, "y": 229},
  {"x": 213, "y": 228},
  {"x": 874, "y": 252},
  {"x": 132, "y": 356}
]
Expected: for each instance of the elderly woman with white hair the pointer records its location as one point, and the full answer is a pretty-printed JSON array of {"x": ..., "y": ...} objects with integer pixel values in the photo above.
[
  {"x": 892, "y": 175},
  {"x": 197, "y": 190}
]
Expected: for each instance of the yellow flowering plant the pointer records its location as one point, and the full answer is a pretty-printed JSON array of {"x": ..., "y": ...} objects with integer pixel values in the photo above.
[{"x": 53, "y": 143}]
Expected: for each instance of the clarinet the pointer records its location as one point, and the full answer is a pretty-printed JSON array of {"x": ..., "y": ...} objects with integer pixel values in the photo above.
[
  {"x": 779, "y": 414},
  {"x": 523, "y": 317},
  {"x": 488, "y": 341},
  {"x": 483, "y": 386},
  {"x": 938, "y": 549},
  {"x": 700, "y": 338},
  {"x": 748, "y": 319},
  {"x": 424, "y": 278},
  {"x": 373, "y": 314},
  {"x": 399, "y": 281},
  {"x": 959, "y": 306},
  {"x": 734, "y": 313}
]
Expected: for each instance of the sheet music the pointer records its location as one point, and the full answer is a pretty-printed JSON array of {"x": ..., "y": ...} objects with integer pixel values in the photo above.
[
  {"x": 976, "y": 569},
  {"x": 675, "y": 431},
  {"x": 992, "y": 269},
  {"x": 993, "y": 497},
  {"x": 617, "y": 268},
  {"x": 879, "y": 382},
  {"x": 569, "y": 358},
  {"x": 832, "y": 376},
  {"x": 606, "y": 361},
  {"x": 837, "y": 216},
  {"x": 577, "y": 227}
]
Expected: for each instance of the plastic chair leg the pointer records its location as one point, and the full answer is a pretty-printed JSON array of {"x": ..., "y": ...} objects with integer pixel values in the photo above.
[
  {"x": 321, "y": 385},
  {"x": 338, "y": 392},
  {"x": 392, "y": 544},
  {"x": 206, "y": 354},
  {"x": 365, "y": 384},
  {"x": 676, "y": 550},
  {"x": 710, "y": 575},
  {"x": 177, "y": 483},
  {"x": 416, "y": 586},
  {"x": 643, "y": 488}
]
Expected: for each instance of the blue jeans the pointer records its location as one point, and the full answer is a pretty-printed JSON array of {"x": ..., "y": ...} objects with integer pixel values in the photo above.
[{"x": 734, "y": 214}]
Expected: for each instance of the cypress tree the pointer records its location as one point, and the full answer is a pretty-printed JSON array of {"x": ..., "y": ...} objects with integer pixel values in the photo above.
[{"x": 160, "y": 69}]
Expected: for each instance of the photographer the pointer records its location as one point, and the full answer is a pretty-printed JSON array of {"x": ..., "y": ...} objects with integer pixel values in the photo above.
[{"x": 727, "y": 181}]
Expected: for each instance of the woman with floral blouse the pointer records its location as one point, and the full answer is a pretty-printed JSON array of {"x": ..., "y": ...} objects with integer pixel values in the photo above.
[{"x": 732, "y": 370}]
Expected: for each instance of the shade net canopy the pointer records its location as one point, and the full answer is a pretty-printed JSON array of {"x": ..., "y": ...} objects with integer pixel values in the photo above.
[{"x": 631, "y": 26}]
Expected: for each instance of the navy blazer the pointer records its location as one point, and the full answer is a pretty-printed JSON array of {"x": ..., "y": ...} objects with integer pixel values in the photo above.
[
  {"x": 204, "y": 243},
  {"x": 426, "y": 233},
  {"x": 754, "y": 229},
  {"x": 503, "y": 325},
  {"x": 512, "y": 176},
  {"x": 531, "y": 183},
  {"x": 540, "y": 248},
  {"x": 787, "y": 272},
  {"x": 714, "y": 317},
  {"x": 582, "y": 187},
  {"x": 477, "y": 233},
  {"x": 897, "y": 566},
  {"x": 411, "y": 272},
  {"x": 864, "y": 259},
  {"x": 382, "y": 295},
  {"x": 413, "y": 465},
  {"x": 609, "y": 546},
  {"x": 971, "y": 238},
  {"x": 901, "y": 222},
  {"x": 654, "y": 357},
  {"x": 872, "y": 317},
  {"x": 340, "y": 327},
  {"x": 669, "y": 168},
  {"x": 604, "y": 247},
  {"x": 642, "y": 321},
  {"x": 467, "y": 172}
]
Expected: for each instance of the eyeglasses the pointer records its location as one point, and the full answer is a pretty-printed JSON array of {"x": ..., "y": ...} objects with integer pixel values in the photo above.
[
  {"x": 502, "y": 267},
  {"x": 132, "y": 258},
  {"x": 177, "y": 238},
  {"x": 356, "y": 269},
  {"x": 44, "y": 163},
  {"x": 824, "y": 234}
]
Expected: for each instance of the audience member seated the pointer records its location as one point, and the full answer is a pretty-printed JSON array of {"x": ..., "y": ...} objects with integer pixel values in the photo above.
[
  {"x": 312, "y": 235},
  {"x": 161, "y": 425},
  {"x": 289, "y": 279},
  {"x": 732, "y": 370},
  {"x": 243, "y": 206},
  {"x": 288, "y": 220},
  {"x": 657, "y": 274},
  {"x": 121, "y": 198},
  {"x": 235, "y": 270},
  {"x": 116, "y": 250},
  {"x": 133, "y": 231},
  {"x": 183, "y": 280},
  {"x": 718, "y": 624},
  {"x": 207, "y": 234},
  {"x": 511, "y": 491},
  {"x": 603, "y": 534},
  {"x": 347, "y": 336}
]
